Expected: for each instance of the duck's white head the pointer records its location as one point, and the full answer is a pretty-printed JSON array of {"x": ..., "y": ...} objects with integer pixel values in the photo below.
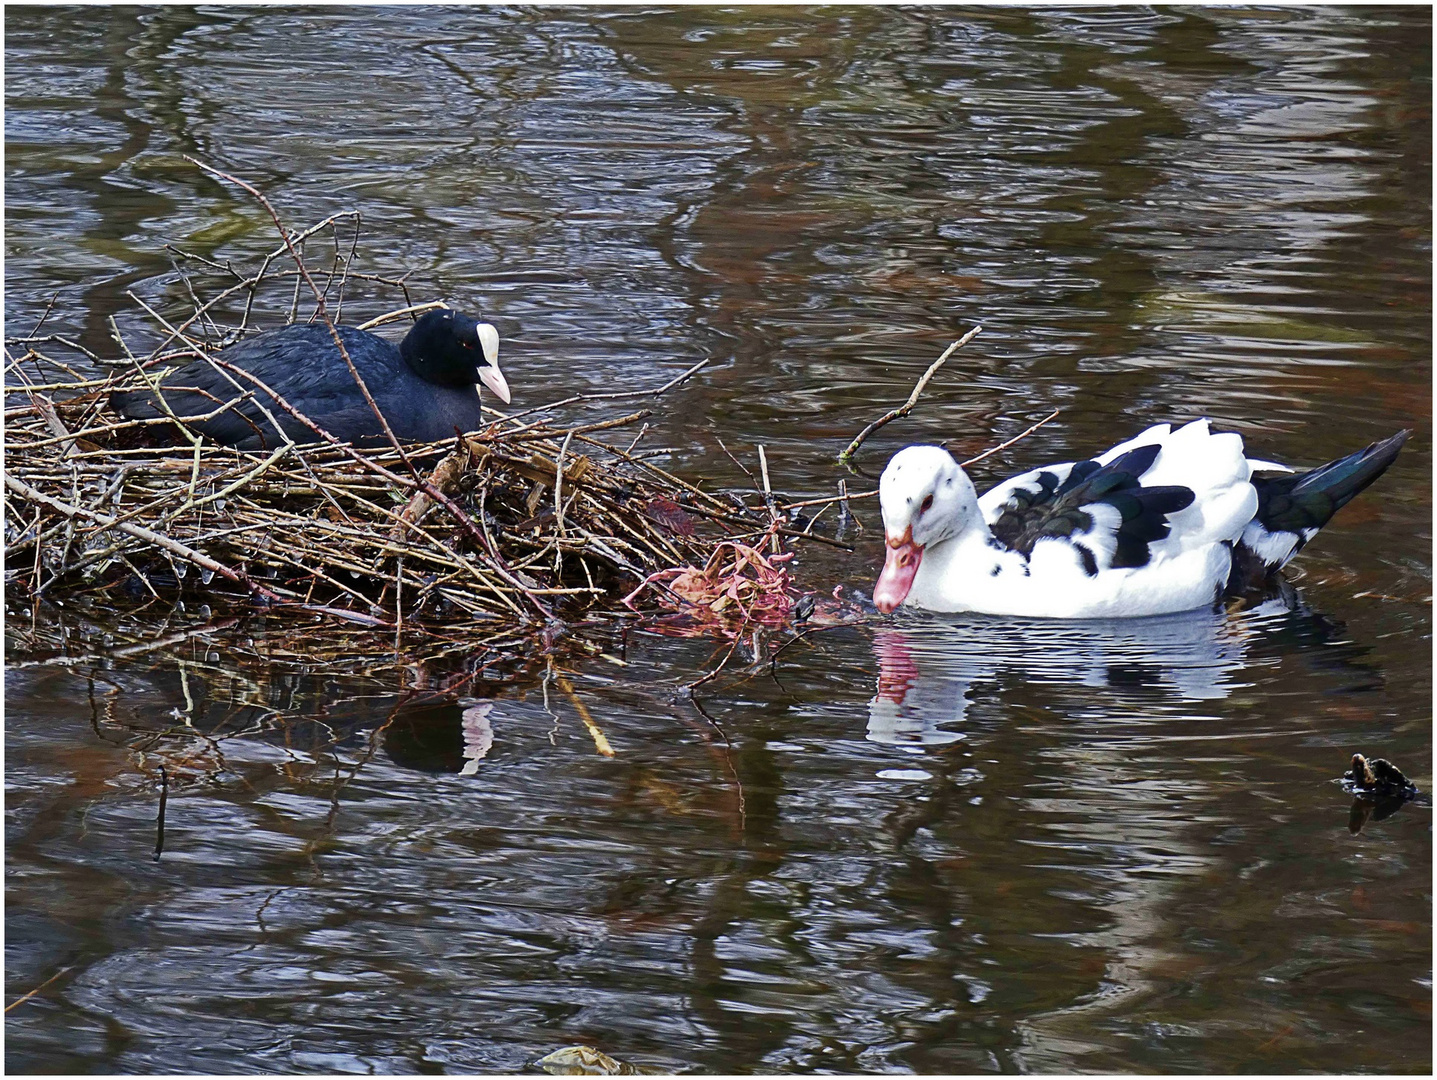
[{"x": 926, "y": 498}]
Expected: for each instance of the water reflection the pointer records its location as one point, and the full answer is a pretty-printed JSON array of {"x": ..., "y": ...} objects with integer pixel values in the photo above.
[{"x": 931, "y": 669}]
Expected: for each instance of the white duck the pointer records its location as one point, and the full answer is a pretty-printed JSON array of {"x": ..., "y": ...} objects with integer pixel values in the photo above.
[{"x": 1167, "y": 521}]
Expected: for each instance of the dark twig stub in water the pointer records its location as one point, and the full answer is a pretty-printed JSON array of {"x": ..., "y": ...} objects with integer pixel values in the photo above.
[{"x": 160, "y": 817}]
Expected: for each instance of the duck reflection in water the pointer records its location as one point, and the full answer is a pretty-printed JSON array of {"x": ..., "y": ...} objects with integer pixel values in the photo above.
[
  {"x": 440, "y": 735},
  {"x": 930, "y": 669}
]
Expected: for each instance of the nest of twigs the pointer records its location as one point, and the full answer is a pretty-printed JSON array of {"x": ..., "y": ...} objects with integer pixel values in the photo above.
[
  {"x": 516, "y": 521},
  {"x": 535, "y": 517}
]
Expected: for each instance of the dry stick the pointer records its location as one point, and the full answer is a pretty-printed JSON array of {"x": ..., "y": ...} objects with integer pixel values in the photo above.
[
  {"x": 49, "y": 307},
  {"x": 808, "y": 529},
  {"x": 252, "y": 282},
  {"x": 845, "y": 495},
  {"x": 601, "y": 743},
  {"x": 775, "y": 545},
  {"x": 642, "y": 432},
  {"x": 742, "y": 467},
  {"x": 559, "y": 505},
  {"x": 536, "y": 434},
  {"x": 846, "y": 457},
  {"x": 398, "y": 606},
  {"x": 226, "y": 267},
  {"x": 174, "y": 547},
  {"x": 826, "y": 499},
  {"x": 189, "y": 288},
  {"x": 344, "y": 262},
  {"x": 33, "y": 355},
  {"x": 724, "y": 662},
  {"x": 399, "y": 313},
  {"x": 32, "y": 993},
  {"x": 618, "y": 395},
  {"x": 1015, "y": 438}
]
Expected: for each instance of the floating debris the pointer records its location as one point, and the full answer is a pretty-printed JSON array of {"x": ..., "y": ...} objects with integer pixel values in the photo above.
[
  {"x": 1379, "y": 790},
  {"x": 586, "y": 1061},
  {"x": 1377, "y": 778}
]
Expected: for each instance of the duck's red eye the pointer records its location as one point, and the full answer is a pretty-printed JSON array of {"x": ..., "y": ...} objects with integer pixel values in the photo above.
[{"x": 927, "y": 504}]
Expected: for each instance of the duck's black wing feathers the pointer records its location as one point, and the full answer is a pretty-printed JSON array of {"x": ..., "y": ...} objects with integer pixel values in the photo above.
[{"x": 1062, "y": 508}]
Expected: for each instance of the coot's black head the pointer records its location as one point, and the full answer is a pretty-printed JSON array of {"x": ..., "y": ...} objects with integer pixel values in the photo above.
[{"x": 450, "y": 349}]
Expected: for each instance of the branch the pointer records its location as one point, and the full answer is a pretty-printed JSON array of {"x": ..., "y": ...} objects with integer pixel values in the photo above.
[{"x": 846, "y": 457}]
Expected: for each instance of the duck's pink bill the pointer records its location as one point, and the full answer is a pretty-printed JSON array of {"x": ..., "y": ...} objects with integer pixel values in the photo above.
[{"x": 900, "y": 566}]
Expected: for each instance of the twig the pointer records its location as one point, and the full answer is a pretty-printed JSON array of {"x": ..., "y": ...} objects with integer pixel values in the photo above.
[
  {"x": 691, "y": 687},
  {"x": 399, "y": 313},
  {"x": 1010, "y": 442},
  {"x": 559, "y": 503},
  {"x": 846, "y": 457},
  {"x": 32, "y": 993},
  {"x": 775, "y": 546},
  {"x": 601, "y": 742},
  {"x": 742, "y": 467},
  {"x": 842, "y": 497},
  {"x": 619, "y": 395}
]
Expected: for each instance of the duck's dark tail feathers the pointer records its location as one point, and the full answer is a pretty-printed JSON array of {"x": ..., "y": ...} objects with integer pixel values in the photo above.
[{"x": 1302, "y": 503}]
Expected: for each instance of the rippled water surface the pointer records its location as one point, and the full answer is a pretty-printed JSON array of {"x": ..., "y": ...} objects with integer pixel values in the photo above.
[{"x": 958, "y": 844}]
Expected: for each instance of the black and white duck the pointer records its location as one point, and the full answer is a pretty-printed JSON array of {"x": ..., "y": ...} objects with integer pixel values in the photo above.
[{"x": 1168, "y": 521}]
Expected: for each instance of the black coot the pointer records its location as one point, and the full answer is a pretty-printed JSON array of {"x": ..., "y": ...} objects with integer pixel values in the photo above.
[{"x": 426, "y": 388}]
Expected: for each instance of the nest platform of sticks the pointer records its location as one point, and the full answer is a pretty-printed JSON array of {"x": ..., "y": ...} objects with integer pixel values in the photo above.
[
  {"x": 529, "y": 519},
  {"x": 521, "y": 520}
]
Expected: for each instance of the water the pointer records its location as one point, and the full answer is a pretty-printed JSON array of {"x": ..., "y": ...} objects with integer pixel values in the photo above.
[{"x": 929, "y": 844}]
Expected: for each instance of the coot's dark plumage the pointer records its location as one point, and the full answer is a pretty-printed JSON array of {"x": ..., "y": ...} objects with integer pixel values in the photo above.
[{"x": 426, "y": 387}]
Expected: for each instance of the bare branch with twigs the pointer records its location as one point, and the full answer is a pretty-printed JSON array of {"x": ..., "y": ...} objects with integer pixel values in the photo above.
[{"x": 846, "y": 457}]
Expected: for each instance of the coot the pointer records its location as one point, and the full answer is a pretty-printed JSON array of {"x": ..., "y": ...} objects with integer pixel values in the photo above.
[{"x": 426, "y": 387}]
